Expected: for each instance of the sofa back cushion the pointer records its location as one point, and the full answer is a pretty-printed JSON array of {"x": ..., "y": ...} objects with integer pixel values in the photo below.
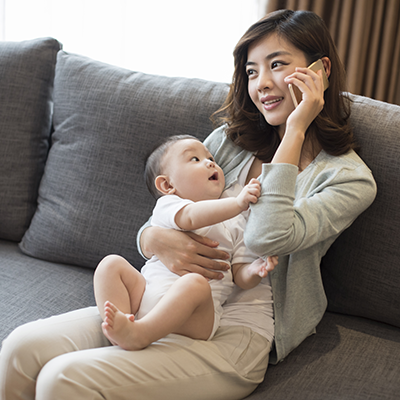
[
  {"x": 361, "y": 270},
  {"x": 26, "y": 88},
  {"x": 93, "y": 199}
]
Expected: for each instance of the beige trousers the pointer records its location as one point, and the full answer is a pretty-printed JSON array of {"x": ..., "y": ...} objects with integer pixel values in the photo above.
[{"x": 67, "y": 357}]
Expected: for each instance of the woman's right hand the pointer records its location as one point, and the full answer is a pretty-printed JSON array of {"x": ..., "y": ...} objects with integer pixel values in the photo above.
[
  {"x": 184, "y": 252},
  {"x": 311, "y": 85}
]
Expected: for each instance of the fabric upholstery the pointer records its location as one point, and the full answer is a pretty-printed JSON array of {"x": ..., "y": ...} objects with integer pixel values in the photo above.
[
  {"x": 349, "y": 358},
  {"x": 26, "y": 86},
  {"x": 32, "y": 288},
  {"x": 361, "y": 270},
  {"x": 93, "y": 199}
]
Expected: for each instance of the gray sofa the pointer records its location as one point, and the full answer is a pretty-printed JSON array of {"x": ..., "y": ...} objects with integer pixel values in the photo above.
[{"x": 73, "y": 135}]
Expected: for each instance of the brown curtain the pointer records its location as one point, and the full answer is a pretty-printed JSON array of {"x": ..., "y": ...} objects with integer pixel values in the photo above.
[{"x": 367, "y": 35}]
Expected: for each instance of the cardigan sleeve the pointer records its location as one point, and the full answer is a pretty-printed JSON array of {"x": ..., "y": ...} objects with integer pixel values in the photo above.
[{"x": 281, "y": 224}]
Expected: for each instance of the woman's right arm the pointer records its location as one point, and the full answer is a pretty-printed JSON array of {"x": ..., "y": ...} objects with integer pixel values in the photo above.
[{"x": 183, "y": 252}]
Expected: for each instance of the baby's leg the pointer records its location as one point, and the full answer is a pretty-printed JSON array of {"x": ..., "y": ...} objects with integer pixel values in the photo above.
[
  {"x": 117, "y": 281},
  {"x": 187, "y": 309}
]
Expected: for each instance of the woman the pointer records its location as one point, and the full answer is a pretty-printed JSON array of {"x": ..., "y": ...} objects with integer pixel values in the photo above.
[{"x": 313, "y": 187}]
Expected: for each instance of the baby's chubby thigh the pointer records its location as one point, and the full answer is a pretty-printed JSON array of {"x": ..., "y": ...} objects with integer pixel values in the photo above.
[{"x": 159, "y": 280}]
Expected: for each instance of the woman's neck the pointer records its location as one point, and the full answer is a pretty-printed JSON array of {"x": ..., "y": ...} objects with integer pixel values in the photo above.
[
  {"x": 309, "y": 151},
  {"x": 311, "y": 148}
]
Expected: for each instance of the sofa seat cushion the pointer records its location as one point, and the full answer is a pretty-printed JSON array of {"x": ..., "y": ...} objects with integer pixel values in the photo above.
[
  {"x": 26, "y": 89},
  {"x": 349, "y": 358},
  {"x": 32, "y": 288},
  {"x": 93, "y": 199}
]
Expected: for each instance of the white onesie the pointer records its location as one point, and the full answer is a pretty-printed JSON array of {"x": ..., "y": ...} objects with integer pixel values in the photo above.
[{"x": 159, "y": 278}]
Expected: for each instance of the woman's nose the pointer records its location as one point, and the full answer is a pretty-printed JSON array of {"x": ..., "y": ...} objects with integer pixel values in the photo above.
[{"x": 264, "y": 82}]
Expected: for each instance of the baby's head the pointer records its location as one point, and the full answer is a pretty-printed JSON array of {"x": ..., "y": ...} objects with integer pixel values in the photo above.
[{"x": 183, "y": 166}]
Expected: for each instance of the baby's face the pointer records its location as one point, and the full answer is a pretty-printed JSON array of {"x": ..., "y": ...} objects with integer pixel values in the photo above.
[{"x": 192, "y": 171}]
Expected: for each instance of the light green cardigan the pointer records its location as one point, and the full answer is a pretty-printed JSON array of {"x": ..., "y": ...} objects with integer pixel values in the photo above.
[{"x": 297, "y": 217}]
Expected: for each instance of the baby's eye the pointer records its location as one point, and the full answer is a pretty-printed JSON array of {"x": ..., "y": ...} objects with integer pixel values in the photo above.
[
  {"x": 211, "y": 159},
  {"x": 194, "y": 159}
]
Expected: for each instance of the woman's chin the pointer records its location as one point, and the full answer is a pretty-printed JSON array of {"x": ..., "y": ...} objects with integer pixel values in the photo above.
[{"x": 277, "y": 123}]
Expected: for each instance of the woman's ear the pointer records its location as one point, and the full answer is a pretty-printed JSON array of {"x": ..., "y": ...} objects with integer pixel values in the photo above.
[
  {"x": 163, "y": 185},
  {"x": 327, "y": 65}
]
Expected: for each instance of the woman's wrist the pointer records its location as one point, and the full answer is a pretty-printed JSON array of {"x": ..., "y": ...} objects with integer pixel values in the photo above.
[
  {"x": 297, "y": 133},
  {"x": 289, "y": 150}
]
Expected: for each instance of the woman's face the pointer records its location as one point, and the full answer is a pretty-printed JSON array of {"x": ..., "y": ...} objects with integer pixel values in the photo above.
[{"x": 269, "y": 61}]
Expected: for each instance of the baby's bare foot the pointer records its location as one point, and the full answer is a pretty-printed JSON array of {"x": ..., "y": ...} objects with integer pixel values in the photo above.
[{"x": 119, "y": 328}]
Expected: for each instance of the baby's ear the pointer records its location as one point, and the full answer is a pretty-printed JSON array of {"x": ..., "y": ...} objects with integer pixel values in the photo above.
[{"x": 163, "y": 185}]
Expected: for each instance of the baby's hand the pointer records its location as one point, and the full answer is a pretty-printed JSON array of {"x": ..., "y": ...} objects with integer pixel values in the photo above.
[
  {"x": 261, "y": 267},
  {"x": 249, "y": 194}
]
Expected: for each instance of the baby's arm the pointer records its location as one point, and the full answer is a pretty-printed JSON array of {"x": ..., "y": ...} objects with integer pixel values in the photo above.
[
  {"x": 248, "y": 276},
  {"x": 209, "y": 212}
]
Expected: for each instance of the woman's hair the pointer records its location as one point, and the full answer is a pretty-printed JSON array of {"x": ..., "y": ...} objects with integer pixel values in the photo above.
[
  {"x": 247, "y": 127},
  {"x": 154, "y": 161}
]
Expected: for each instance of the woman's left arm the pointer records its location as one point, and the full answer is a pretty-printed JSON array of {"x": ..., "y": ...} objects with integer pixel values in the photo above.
[{"x": 279, "y": 224}]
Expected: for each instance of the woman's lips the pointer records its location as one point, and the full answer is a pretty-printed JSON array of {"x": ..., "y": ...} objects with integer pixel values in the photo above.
[{"x": 270, "y": 102}]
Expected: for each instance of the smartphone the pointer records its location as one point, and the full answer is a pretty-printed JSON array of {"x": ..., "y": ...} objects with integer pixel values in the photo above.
[{"x": 295, "y": 91}]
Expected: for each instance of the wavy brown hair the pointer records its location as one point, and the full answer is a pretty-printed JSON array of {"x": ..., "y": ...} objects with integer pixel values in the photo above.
[{"x": 245, "y": 124}]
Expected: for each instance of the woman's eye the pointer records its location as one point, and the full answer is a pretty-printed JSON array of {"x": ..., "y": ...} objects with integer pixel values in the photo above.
[
  {"x": 250, "y": 72},
  {"x": 277, "y": 64}
]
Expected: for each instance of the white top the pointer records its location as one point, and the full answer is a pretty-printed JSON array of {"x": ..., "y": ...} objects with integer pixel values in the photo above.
[
  {"x": 257, "y": 303},
  {"x": 159, "y": 278}
]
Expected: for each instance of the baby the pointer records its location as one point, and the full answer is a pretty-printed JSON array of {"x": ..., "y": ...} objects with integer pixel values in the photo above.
[{"x": 140, "y": 308}]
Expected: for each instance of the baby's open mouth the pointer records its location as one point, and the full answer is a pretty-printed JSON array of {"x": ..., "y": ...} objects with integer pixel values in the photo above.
[{"x": 214, "y": 176}]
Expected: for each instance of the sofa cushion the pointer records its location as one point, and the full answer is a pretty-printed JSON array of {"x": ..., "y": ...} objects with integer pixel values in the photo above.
[
  {"x": 26, "y": 86},
  {"x": 361, "y": 270},
  {"x": 92, "y": 199},
  {"x": 348, "y": 359},
  {"x": 31, "y": 289}
]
